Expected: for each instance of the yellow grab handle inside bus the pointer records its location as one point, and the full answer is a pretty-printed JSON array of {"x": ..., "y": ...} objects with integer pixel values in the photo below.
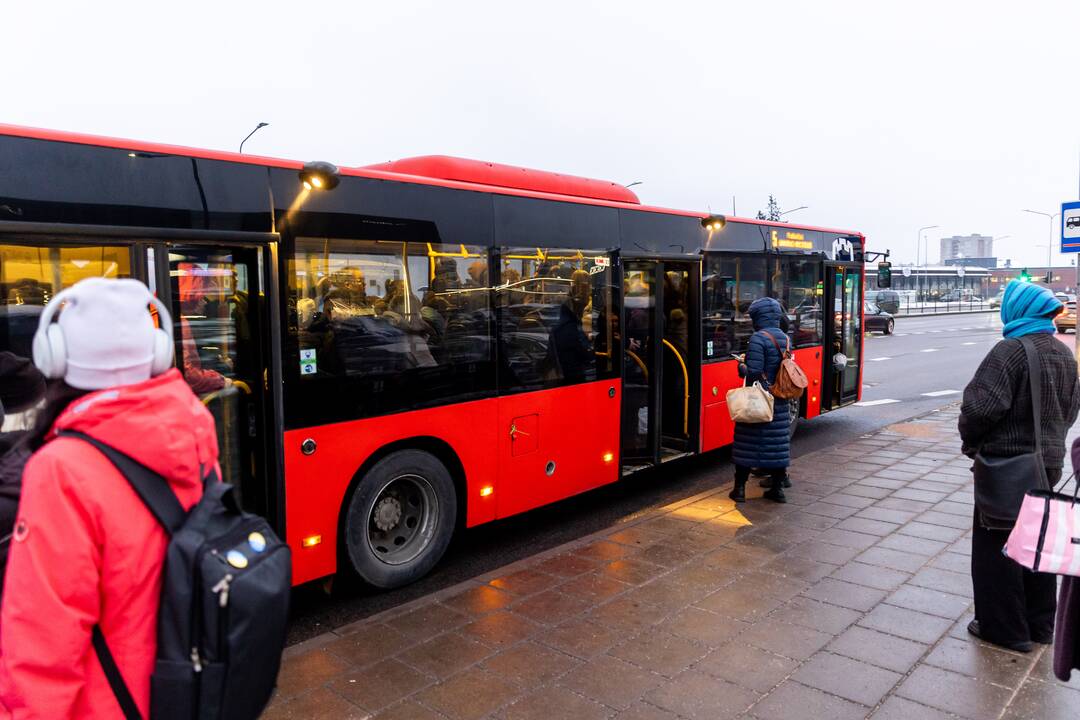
[
  {"x": 686, "y": 388},
  {"x": 641, "y": 365}
]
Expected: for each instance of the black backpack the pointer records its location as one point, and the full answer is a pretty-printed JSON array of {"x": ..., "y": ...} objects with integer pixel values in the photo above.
[{"x": 224, "y": 604}]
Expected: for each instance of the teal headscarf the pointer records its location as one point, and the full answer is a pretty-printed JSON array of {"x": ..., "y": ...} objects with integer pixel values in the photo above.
[{"x": 1027, "y": 309}]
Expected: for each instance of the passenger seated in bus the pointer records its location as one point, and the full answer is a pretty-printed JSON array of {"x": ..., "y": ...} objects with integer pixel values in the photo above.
[
  {"x": 568, "y": 344},
  {"x": 434, "y": 310},
  {"x": 477, "y": 298},
  {"x": 28, "y": 291},
  {"x": 403, "y": 312}
]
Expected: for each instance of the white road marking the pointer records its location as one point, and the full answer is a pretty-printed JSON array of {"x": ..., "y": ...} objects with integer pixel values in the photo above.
[
  {"x": 921, "y": 332},
  {"x": 929, "y": 350},
  {"x": 969, "y": 343},
  {"x": 939, "y": 393},
  {"x": 880, "y": 359},
  {"x": 870, "y": 403},
  {"x": 936, "y": 331},
  {"x": 899, "y": 334}
]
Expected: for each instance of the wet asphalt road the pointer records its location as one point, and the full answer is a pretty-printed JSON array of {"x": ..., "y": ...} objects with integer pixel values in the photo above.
[{"x": 925, "y": 365}]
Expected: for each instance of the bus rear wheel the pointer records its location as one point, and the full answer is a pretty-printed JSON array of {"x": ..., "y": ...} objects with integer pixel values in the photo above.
[{"x": 400, "y": 518}]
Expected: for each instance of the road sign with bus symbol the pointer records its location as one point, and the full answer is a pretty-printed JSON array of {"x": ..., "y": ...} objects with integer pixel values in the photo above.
[{"x": 1070, "y": 227}]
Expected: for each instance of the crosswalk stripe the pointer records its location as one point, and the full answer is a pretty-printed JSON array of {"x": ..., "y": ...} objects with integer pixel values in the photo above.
[
  {"x": 880, "y": 359},
  {"x": 929, "y": 350},
  {"x": 939, "y": 393},
  {"x": 969, "y": 343},
  {"x": 871, "y": 403}
]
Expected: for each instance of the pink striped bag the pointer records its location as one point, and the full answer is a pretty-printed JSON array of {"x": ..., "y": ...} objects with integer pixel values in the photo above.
[{"x": 1046, "y": 536}]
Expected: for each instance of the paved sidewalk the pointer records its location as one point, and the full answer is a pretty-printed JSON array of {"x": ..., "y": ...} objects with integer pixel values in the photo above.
[{"x": 851, "y": 601}]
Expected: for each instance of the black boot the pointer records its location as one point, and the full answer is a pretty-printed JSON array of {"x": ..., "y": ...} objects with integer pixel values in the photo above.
[
  {"x": 738, "y": 493},
  {"x": 776, "y": 488}
]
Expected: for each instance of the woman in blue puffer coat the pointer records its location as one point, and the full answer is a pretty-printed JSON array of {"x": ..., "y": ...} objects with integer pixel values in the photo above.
[{"x": 764, "y": 445}]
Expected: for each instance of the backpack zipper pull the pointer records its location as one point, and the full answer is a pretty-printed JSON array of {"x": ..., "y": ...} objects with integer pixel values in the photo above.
[
  {"x": 196, "y": 661},
  {"x": 222, "y": 588}
]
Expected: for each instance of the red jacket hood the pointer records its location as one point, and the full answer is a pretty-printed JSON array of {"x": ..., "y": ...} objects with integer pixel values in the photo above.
[{"x": 160, "y": 423}]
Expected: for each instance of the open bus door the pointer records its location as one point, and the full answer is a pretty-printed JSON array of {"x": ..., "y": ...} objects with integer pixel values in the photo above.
[
  {"x": 843, "y": 334},
  {"x": 219, "y": 298},
  {"x": 661, "y": 361}
]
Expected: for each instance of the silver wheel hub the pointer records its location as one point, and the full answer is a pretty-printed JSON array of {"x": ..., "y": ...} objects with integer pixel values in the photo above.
[{"x": 387, "y": 514}]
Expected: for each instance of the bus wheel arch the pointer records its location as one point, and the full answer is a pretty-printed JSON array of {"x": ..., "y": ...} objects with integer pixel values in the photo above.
[{"x": 402, "y": 508}]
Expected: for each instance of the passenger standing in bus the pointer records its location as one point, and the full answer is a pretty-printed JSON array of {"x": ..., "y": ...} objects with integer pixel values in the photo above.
[
  {"x": 86, "y": 552},
  {"x": 763, "y": 445},
  {"x": 1015, "y": 607}
]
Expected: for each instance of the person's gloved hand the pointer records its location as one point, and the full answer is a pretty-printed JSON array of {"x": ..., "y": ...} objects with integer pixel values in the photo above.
[{"x": 742, "y": 370}]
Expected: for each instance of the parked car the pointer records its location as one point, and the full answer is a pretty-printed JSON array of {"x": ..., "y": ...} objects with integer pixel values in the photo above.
[
  {"x": 1065, "y": 297},
  {"x": 995, "y": 302},
  {"x": 887, "y": 300},
  {"x": 877, "y": 320},
  {"x": 1066, "y": 319}
]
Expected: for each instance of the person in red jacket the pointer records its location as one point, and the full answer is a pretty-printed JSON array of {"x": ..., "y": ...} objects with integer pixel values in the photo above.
[{"x": 86, "y": 551}]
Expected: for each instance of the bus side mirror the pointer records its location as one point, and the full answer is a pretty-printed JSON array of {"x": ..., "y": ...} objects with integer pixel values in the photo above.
[{"x": 884, "y": 275}]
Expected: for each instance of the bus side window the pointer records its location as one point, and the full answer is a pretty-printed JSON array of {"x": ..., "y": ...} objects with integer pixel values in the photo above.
[
  {"x": 730, "y": 283},
  {"x": 799, "y": 289},
  {"x": 401, "y": 324},
  {"x": 31, "y": 275},
  {"x": 558, "y": 318}
]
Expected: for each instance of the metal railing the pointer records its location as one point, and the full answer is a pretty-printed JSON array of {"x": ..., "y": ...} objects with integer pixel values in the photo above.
[{"x": 911, "y": 305}]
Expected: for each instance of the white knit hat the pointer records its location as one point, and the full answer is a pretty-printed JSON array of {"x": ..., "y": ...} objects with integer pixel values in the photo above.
[{"x": 108, "y": 334}]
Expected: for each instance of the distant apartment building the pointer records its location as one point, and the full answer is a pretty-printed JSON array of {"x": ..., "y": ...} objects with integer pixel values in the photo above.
[{"x": 971, "y": 250}]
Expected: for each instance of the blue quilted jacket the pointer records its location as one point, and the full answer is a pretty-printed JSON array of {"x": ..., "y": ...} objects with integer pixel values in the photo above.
[{"x": 764, "y": 445}]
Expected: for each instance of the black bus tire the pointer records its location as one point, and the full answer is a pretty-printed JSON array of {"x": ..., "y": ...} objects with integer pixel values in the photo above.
[{"x": 400, "y": 518}]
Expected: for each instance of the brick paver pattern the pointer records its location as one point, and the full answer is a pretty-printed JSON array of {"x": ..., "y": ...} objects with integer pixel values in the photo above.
[{"x": 851, "y": 601}]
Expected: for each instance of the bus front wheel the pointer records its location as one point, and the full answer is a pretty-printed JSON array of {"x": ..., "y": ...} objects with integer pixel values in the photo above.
[{"x": 400, "y": 518}]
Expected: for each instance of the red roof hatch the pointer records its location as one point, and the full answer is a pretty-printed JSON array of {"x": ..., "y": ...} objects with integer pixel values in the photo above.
[{"x": 444, "y": 167}]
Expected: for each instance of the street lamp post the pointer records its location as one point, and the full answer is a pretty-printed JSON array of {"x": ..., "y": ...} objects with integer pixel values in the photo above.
[
  {"x": 801, "y": 207},
  {"x": 258, "y": 127},
  {"x": 918, "y": 243},
  {"x": 1050, "y": 246}
]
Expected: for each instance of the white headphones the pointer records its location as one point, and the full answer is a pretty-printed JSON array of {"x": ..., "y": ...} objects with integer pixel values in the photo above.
[{"x": 50, "y": 347}]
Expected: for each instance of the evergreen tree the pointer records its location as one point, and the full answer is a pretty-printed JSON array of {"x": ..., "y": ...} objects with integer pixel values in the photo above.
[{"x": 773, "y": 211}]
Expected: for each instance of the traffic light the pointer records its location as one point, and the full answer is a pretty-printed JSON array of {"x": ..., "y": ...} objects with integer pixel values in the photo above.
[
  {"x": 884, "y": 274},
  {"x": 1049, "y": 277},
  {"x": 1025, "y": 276}
]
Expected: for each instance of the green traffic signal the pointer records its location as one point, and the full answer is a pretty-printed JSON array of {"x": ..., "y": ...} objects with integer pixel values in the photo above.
[{"x": 1025, "y": 276}]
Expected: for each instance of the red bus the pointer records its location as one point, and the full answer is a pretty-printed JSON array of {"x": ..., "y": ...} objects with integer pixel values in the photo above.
[{"x": 396, "y": 352}]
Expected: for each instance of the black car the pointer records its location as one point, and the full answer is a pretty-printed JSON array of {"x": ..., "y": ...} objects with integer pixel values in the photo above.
[
  {"x": 877, "y": 320},
  {"x": 887, "y": 300}
]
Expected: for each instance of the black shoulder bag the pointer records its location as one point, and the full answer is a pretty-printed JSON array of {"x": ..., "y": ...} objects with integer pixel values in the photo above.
[{"x": 1002, "y": 482}]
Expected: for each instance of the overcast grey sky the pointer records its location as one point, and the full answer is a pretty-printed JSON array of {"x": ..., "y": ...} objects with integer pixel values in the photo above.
[{"x": 879, "y": 116}]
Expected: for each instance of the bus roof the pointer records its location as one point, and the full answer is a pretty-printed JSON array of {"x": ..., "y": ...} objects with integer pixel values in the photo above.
[{"x": 446, "y": 171}]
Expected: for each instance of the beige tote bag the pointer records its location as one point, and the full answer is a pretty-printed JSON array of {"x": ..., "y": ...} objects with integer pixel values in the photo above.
[{"x": 752, "y": 404}]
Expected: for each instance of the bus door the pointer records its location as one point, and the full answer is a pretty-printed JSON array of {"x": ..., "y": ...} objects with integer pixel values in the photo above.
[
  {"x": 660, "y": 361},
  {"x": 219, "y": 301},
  {"x": 843, "y": 334}
]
